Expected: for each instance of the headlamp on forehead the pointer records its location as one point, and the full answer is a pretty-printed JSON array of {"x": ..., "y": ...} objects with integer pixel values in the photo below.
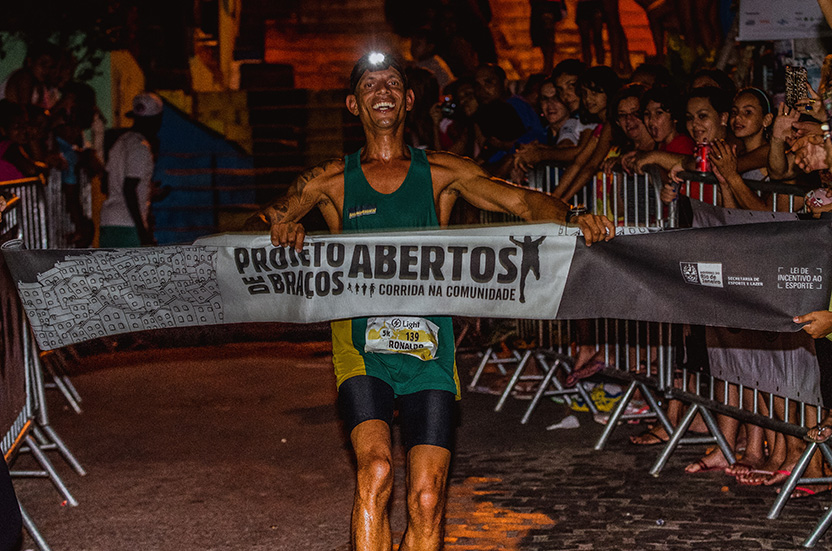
[
  {"x": 375, "y": 61},
  {"x": 375, "y": 58}
]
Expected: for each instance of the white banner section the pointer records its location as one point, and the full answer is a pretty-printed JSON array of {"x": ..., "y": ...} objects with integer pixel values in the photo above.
[
  {"x": 505, "y": 271},
  {"x": 512, "y": 271}
]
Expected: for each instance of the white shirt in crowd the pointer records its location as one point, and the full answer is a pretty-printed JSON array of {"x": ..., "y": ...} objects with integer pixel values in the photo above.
[{"x": 130, "y": 157}]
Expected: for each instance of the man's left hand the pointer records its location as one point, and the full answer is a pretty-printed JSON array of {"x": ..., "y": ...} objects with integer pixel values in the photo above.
[{"x": 595, "y": 228}]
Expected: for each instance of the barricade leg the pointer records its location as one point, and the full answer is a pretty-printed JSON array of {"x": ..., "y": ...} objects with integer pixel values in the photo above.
[
  {"x": 480, "y": 368},
  {"x": 675, "y": 438},
  {"x": 50, "y": 440},
  {"x": 797, "y": 477},
  {"x": 616, "y": 414},
  {"x": 33, "y": 531},
  {"x": 54, "y": 442},
  {"x": 48, "y": 470},
  {"x": 547, "y": 379},
  {"x": 713, "y": 428},
  {"x": 550, "y": 379},
  {"x": 513, "y": 382},
  {"x": 60, "y": 380},
  {"x": 677, "y": 435},
  {"x": 490, "y": 357},
  {"x": 821, "y": 527}
]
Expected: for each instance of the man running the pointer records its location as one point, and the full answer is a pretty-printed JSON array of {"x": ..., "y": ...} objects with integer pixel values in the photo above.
[{"x": 388, "y": 185}]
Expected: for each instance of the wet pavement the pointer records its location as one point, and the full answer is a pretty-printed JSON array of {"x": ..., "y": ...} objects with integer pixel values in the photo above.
[{"x": 236, "y": 445}]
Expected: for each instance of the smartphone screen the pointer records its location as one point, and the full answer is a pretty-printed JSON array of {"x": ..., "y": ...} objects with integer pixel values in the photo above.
[{"x": 796, "y": 79}]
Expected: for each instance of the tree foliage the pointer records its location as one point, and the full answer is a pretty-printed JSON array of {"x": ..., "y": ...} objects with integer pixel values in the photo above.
[{"x": 86, "y": 29}]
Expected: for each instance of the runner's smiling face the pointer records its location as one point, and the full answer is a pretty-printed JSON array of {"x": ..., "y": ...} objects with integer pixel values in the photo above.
[{"x": 380, "y": 98}]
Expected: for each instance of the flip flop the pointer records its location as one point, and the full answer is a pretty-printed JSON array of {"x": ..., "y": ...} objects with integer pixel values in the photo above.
[
  {"x": 779, "y": 476},
  {"x": 703, "y": 468},
  {"x": 648, "y": 438},
  {"x": 821, "y": 438},
  {"x": 587, "y": 370},
  {"x": 802, "y": 492},
  {"x": 746, "y": 469},
  {"x": 748, "y": 478}
]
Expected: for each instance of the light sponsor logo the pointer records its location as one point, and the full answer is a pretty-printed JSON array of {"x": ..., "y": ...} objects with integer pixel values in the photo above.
[{"x": 708, "y": 274}]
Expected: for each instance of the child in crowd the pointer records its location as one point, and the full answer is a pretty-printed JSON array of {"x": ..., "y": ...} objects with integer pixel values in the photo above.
[
  {"x": 708, "y": 110},
  {"x": 597, "y": 87},
  {"x": 664, "y": 114},
  {"x": 575, "y": 132}
]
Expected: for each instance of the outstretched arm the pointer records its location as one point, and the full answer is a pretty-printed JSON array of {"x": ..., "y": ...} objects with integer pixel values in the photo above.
[
  {"x": 585, "y": 166},
  {"x": 458, "y": 177}
]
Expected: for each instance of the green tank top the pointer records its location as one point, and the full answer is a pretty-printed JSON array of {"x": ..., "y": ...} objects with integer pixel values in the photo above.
[
  {"x": 365, "y": 209},
  {"x": 410, "y": 206}
]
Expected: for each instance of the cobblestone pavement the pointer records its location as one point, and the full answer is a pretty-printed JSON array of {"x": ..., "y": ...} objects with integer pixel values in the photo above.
[
  {"x": 518, "y": 487},
  {"x": 238, "y": 447}
]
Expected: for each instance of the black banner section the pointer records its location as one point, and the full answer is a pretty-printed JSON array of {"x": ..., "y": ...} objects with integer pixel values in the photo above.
[{"x": 754, "y": 277}]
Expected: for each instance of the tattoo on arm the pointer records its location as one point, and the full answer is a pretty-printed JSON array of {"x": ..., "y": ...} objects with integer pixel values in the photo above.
[
  {"x": 310, "y": 174},
  {"x": 295, "y": 201}
]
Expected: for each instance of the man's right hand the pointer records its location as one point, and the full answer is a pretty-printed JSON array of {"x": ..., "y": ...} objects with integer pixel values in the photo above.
[{"x": 288, "y": 234}]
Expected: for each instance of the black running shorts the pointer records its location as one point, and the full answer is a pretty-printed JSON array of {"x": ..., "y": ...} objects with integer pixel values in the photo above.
[{"x": 427, "y": 416}]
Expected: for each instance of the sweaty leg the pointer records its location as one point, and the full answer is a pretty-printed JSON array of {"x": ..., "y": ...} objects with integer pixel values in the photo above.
[
  {"x": 427, "y": 474},
  {"x": 374, "y": 483},
  {"x": 367, "y": 409},
  {"x": 427, "y": 420}
]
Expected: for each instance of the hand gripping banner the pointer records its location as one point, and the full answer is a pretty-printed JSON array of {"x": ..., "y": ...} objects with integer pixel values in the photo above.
[{"x": 754, "y": 276}]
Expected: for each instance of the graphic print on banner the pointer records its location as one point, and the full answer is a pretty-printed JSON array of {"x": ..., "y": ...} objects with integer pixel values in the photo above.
[{"x": 708, "y": 274}]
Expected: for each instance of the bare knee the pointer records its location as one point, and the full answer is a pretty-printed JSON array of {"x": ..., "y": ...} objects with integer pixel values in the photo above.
[
  {"x": 425, "y": 503},
  {"x": 375, "y": 477}
]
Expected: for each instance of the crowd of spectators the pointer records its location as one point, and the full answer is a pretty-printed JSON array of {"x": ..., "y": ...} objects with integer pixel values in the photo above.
[
  {"x": 591, "y": 120},
  {"x": 44, "y": 115}
]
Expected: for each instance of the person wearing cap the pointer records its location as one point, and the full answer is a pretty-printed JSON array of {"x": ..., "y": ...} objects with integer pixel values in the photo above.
[
  {"x": 387, "y": 186},
  {"x": 130, "y": 164}
]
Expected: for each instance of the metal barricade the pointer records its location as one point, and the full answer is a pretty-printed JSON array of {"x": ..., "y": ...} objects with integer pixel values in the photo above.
[
  {"x": 709, "y": 396},
  {"x": 36, "y": 217},
  {"x": 17, "y": 408},
  {"x": 634, "y": 352}
]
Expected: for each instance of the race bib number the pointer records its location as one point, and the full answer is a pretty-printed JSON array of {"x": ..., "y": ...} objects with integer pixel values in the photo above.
[{"x": 402, "y": 335}]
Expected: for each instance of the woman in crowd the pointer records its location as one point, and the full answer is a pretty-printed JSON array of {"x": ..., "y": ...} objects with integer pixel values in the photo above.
[
  {"x": 630, "y": 134},
  {"x": 750, "y": 120},
  {"x": 597, "y": 87},
  {"x": 707, "y": 114}
]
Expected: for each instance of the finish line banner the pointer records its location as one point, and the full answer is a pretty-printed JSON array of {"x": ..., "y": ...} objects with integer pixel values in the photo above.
[{"x": 752, "y": 276}]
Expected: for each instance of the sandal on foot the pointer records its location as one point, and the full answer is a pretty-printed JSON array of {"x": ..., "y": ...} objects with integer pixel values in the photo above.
[
  {"x": 739, "y": 468},
  {"x": 802, "y": 492},
  {"x": 824, "y": 433},
  {"x": 779, "y": 476},
  {"x": 648, "y": 438},
  {"x": 752, "y": 478},
  {"x": 587, "y": 370}
]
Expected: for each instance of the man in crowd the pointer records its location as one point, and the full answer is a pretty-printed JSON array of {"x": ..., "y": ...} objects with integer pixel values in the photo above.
[
  {"x": 387, "y": 185},
  {"x": 125, "y": 214}
]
